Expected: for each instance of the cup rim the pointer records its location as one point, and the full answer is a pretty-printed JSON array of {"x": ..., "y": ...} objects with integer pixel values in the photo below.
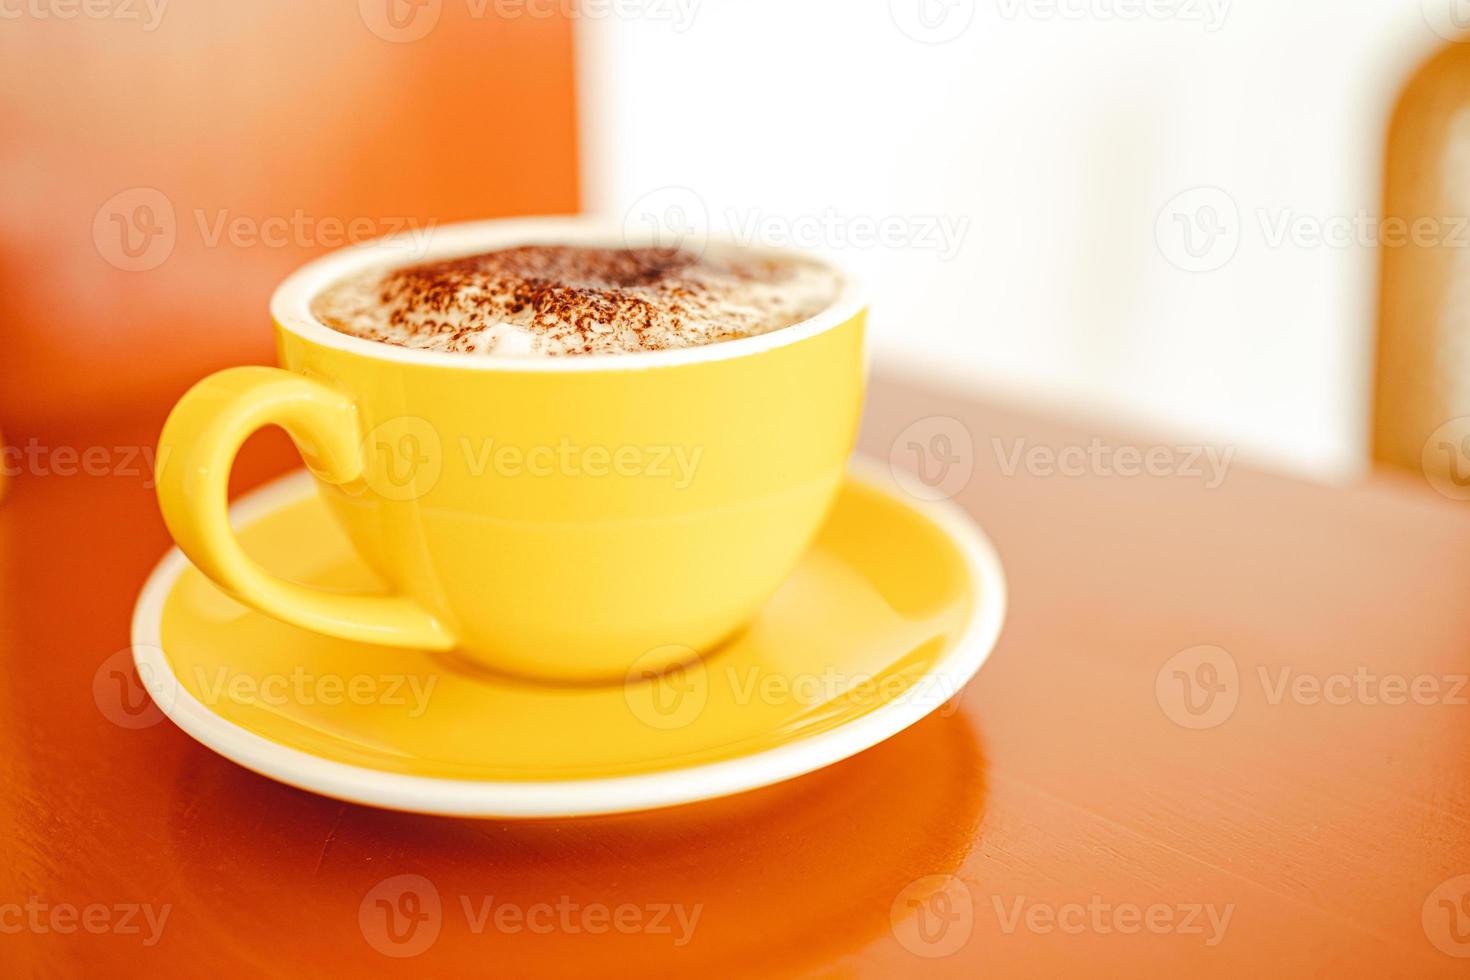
[{"x": 291, "y": 302}]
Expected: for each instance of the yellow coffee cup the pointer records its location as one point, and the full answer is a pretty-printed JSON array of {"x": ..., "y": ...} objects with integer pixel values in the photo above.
[{"x": 566, "y": 518}]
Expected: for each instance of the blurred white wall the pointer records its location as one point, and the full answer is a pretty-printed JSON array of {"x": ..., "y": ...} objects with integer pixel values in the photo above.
[{"x": 1105, "y": 206}]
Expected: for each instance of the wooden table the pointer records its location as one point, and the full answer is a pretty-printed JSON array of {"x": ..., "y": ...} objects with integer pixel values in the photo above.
[{"x": 1066, "y": 820}]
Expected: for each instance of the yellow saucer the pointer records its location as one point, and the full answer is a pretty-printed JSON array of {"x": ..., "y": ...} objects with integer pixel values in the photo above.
[{"x": 888, "y": 615}]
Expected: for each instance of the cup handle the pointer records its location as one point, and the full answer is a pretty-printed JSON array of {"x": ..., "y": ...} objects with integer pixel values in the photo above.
[{"x": 195, "y": 452}]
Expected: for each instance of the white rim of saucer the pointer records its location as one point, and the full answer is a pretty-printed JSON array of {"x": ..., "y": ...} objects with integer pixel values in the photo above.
[
  {"x": 577, "y": 797},
  {"x": 291, "y": 303}
]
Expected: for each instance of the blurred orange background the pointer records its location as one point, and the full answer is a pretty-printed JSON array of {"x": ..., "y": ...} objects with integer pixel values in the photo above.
[{"x": 162, "y": 174}]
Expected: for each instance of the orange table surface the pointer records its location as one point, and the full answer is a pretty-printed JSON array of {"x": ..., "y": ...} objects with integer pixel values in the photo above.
[{"x": 1064, "y": 820}]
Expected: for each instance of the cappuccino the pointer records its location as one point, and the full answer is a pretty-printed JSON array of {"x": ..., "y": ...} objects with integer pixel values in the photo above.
[{"x": 546, "y": 300}]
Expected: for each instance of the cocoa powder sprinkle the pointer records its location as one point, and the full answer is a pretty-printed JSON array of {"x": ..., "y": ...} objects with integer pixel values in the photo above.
[{"x": 553, "y": 300}]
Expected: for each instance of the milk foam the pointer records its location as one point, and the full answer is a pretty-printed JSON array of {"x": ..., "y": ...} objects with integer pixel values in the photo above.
[{"x": 557, "y": 300}]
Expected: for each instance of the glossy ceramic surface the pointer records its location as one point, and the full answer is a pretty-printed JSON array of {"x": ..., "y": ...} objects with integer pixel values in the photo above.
[
  {"x": 886, "y": 617},
  {"x": 555, "y": 517}
]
